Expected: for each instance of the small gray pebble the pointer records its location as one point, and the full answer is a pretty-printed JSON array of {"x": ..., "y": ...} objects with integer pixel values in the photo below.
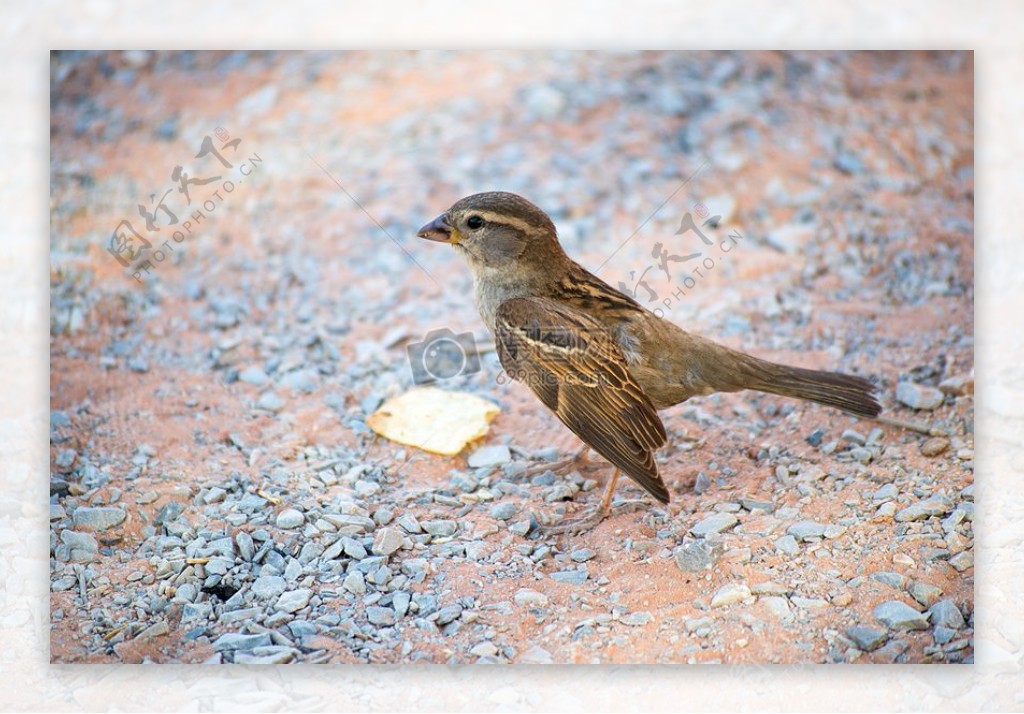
[
  {"x": 414, "y": 567},
  {"x": 922, "y": 510},
  {"x": 187, "y": 592},
  {"x": 381, "y": 616},
  {"x": 246, "y": 547},
  {"x": 715, "y": 523},
  {"x": 400, "y": 602},
  {"x": 310, "y": 552},
  {"x": 214, "y": 495},
  {"x": 503, "y": 511},
  {"x": 294, "y": 600},
  {"x": 787, "y": 545},
  {"x": 947, "y": 614},
  {"x": 853, "y": 437},
  {"x": 559, "y": 492},
  {"x": 891, "y": 651},
  {"x": 574, "y": 577},
  {"x": 301, "y": 628},
  {"x": 582, "y": 555},
  {"x": 702, "y": 484},
  {"x": 65, "y": 582},
  {"x": 366, "y": 489},
  {"x": 544, "y": 479},
  {"x": 893, "y": 580},
  {"x": 752, "y": 504},
  {"x": 526, "y": 597},
  {"x": 698, "y": 555},
  {"x": 410, "y": 524},
  {"x": 353, "y": 548},
  {"x": 440, "y": 528},
  {"x": 636, "y": 619},
  {"x": 730, "y": 594},
  {"x": 808, "y": 603},
  {"x": 867, "y": 638},
  {"x": 333, "y": 551},
  {"x": 548, "y": 453},
  {"x": 476, "y": 549},
  {"x": 300, "y": 380},
  {"x": 900, "y": 616},
  {"x": 270, "y": 401},
  {"x": 253, "y": 375},
  {"x": 962, "y": 561},
  {"x": 292, "y": 570},
  {"x": 535, "y": 654},
  {"x": 266, "y": 587},
  {"x": 484, "y": 649},
  {"x": 918, "y": 396},
  {"x": 386, "y": 541},
  {"x": 218, "y": 566},
  {"x": 806, "y": 530},
  {"x": 237, "y": 641},
  {"x": 494, "y": 455},
  {"x": 924, "y": 593},
  {"x": 81, "y": 541},
  {"x": 99, "y": 518},
  {"x": 777, "y": 606},
  {"x": 696, "y": 624},
  {"x": 289, "y": 518},
  {"x": 448, "y": 614},
  {"x": 355, "y": 583},
  {"x": 848, "y": 163},
  {"x": 885, "y": 493}
]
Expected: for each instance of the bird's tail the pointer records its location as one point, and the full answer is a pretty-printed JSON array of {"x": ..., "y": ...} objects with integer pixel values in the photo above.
[
  {"x": 842, "y": 391},
  {"x": 706, "y": 367}
]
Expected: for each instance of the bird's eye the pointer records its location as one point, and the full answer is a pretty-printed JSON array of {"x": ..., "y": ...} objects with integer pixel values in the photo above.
[{"x": 474, "y": 222}]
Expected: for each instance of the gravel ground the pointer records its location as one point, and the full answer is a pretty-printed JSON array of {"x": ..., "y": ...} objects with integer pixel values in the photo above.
[{"x": 216, "y": 494}]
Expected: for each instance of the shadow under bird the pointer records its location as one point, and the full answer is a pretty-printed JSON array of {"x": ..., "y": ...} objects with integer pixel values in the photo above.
[{"x": 603, "y": 363}]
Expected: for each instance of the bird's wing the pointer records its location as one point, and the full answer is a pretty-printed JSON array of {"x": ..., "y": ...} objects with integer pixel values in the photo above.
[{"x": 576, "y": 368}]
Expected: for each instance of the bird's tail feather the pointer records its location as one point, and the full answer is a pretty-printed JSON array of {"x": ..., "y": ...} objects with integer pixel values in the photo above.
[{"x": 842, "y": 391}]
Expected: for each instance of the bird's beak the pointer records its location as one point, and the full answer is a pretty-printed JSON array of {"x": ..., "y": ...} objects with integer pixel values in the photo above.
[{"x": 439, "y": 230}]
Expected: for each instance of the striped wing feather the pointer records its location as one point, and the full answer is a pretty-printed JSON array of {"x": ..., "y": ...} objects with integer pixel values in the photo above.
[{"x": 575, "y": 367}]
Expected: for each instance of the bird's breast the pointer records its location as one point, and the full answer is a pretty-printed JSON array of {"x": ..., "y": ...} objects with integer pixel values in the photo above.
[{"x": 490, "y": 291}]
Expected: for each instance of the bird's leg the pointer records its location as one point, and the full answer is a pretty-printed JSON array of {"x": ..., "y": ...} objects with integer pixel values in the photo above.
[
  {"x": 580, "y": 457},
  {"x": 592, "y": 517}
]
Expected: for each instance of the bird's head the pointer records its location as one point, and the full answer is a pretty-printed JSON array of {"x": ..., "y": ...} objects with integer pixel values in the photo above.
[{"x": 496, "y": 229}]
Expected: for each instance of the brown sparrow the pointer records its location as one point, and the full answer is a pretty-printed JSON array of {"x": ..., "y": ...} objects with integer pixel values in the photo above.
[{"x": 599, "y": 360}]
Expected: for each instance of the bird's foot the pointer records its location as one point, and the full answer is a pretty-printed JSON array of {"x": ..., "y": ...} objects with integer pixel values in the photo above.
[
  {"x": 630, "y": 506},
  {"x": 575, "y": 526},
  {"x": 592, "y": 517},
  {"x": 561, "y": 466}
]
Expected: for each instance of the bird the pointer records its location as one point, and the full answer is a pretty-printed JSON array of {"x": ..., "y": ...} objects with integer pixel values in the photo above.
[{"x": 603, "y": 363}]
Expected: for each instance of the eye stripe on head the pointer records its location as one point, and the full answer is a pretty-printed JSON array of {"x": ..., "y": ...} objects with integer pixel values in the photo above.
[
  {"x": 506, "y": 209},
  {"x": 506, "y": 220}
]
